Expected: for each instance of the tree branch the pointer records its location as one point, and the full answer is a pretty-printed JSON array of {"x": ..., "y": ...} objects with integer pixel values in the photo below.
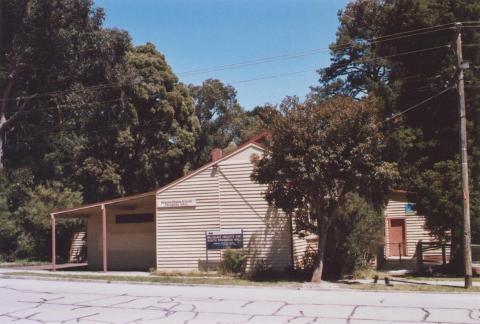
[
  {"x": 6, "y": 93},
  {"x": 10, "y": 120}
]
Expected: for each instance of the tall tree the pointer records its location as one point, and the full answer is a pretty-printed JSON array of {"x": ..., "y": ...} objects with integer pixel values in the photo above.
[
  {"x": 318, "y": 154},
  {"x": 105, "y": 118},
  {"x": 47, "y": 45},
  {"x": 83, "y": 116},
  {"x": 146, "y": 137},
  {"x": 404, "y": 70},
  {"x": 222, "y": 120}
]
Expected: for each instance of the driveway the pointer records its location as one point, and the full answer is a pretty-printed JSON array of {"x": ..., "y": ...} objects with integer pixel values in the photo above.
[{"x": 41, "y": 301}]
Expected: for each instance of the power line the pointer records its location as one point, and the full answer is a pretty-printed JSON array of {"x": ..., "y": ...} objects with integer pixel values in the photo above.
[
  {"x": 69, "y": 106},
  {"x": 410, "y": 35},
  {"x": 319, "y": 50},
  {"x": 470, "y": 22},
  {"x": 272, "y": 76},
  {"x": 107, "y": 127},
  {"x": 97, "y": 87},
  {"x": 470, "y": 26},
  {"x": 416, "y": 105},
  {"x": 414, "y": 30},
  {"x": 303, "y": 54},
  {"x": 274, "y": 59},
  {"x": 254, "y": 62},
  {"x": 311, "y": 70},
  {"x": 413, "y": 52},
  {"x": 157, "y": 121},
  {"x": 73, "y": 106},
  {"x": 362, "y": 60},
  {"x": 89, "y": 88}
]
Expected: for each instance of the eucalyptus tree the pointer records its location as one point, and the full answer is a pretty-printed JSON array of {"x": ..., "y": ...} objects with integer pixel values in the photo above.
[
  {"x": 145, "y": 138},
  {"x": 223, "y": 121},
  {"x": 413, "y": 65}
]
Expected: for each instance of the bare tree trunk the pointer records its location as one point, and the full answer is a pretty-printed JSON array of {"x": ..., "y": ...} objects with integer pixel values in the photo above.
[
  {"x": 3, "y": 120},
  {"x": 322, "y": 242},
  {"x": 6, "y": 123}
]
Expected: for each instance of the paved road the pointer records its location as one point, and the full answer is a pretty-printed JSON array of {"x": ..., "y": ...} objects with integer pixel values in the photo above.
[{"x": 29, "y": 301}]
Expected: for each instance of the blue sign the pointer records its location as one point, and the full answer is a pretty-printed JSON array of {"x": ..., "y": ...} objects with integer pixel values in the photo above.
[{"x": 409, "y": 208}]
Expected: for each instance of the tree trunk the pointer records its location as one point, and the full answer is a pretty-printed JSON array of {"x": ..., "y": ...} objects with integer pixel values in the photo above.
[
  {"x": 3, "y": 111},
  {"x": 322, "y": 241},
  {"x": 456, "y": 254},
  {"x": 3, "y": 120}
]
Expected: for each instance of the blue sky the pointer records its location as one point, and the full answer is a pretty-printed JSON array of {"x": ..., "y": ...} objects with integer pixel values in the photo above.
[{"x": 197, "y": 34}]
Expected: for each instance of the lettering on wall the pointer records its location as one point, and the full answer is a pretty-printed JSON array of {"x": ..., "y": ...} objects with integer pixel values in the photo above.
[{"x": 176, "y": 203}]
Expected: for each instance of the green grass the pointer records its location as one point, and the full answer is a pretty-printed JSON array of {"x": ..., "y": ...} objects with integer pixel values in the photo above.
[
  {"x": 170, "y": 279},
  {"x": 187, "y": 274},
  {"x": 195, "y": 279},
  {"x": 21, "y": 263}
]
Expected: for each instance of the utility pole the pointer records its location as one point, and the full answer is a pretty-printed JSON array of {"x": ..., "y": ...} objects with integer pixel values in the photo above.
[{"x": 461, "y": 65}]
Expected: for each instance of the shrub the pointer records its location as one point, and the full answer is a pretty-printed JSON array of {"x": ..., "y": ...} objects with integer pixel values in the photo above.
[
  {"x": 354, "y": 238},
  {"x": 233, "y": 262},
  {"x": 25, "y": 216}
]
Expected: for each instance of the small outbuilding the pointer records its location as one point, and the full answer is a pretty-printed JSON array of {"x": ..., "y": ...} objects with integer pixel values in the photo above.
[
  {"x": 406, "y": 237},
  {"x": 167, "y": 228}
]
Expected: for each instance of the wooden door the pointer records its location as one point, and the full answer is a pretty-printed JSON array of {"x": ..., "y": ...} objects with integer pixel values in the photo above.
[{"x": 397, "y": 237}]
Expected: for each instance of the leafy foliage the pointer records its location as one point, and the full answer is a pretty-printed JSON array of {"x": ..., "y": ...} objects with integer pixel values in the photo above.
[
  {"x": 317, "y": 155},
  {"x": 222, "y": 120},
  {"x": 445, "y": 207},
  {"x": 111, "y": 119},
  {"x": 403, "y": 71},
  {"x": 154, "y": 132},
  {"x": 25, "y": 225},
  {"x": 354, "y": 238},
  {"x": 233, "y": 261}
]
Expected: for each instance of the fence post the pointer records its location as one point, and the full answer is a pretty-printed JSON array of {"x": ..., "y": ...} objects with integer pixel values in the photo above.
[
  {"x": 444, "y": 255},
  {"x": 419, "y": 254},
  {"x": 400, "y": 251},
  {"x": 380, "y": 257}
]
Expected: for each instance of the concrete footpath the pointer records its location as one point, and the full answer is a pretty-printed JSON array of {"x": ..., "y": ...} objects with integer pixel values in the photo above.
[
  {"x": 27, "y": 300},
  {"x": 432, "y": 282}
]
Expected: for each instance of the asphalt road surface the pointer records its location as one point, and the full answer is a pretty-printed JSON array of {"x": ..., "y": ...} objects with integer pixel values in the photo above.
[{"x": 41, "y": 301}]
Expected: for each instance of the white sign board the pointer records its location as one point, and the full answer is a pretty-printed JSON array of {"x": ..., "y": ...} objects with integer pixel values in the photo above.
[
  {"x": 225, "y": 232},
  {"x": 176, "y": 203}
]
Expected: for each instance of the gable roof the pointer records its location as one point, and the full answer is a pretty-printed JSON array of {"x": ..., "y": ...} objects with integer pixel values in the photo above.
[
  {"x": 241, "y": 148},
  {"x": 212, "y": 163}
]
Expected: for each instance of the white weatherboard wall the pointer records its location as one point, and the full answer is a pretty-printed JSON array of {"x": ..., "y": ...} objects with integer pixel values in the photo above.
[
  {"x": 266, "y": 231},
  {"x": 226, "y": 198}
]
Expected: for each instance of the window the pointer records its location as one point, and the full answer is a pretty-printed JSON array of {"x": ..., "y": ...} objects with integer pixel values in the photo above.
[{"x": 134, "y": 218}]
